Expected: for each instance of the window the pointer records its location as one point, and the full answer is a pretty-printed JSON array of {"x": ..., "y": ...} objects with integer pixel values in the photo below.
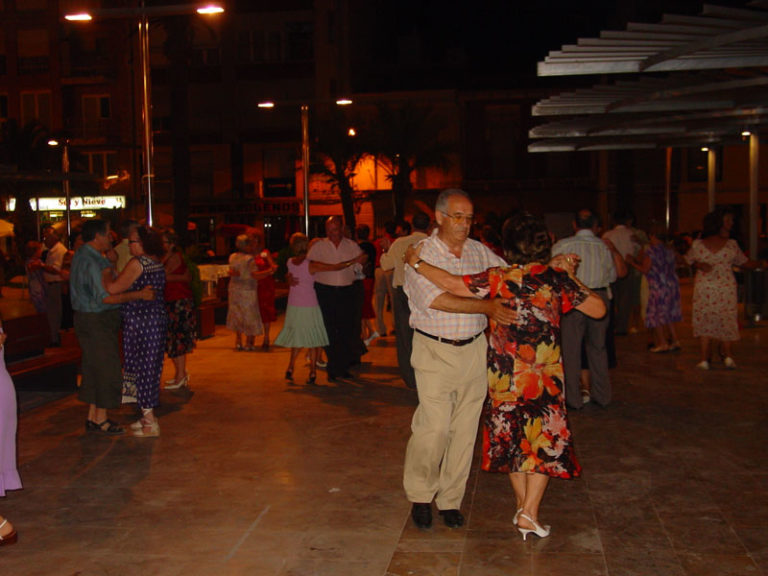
[
  {"x": 102, "y": 163},
  {"x": 299, "y": 41},
  {"x": 33, "y": 51},
  {"x": 36, "y": 106},
  {"x": 96, "y": 109},
  {"x": 261, "y": 46}
]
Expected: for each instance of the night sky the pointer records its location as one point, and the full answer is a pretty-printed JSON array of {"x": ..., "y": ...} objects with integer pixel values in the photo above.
[{"x": 486, "y": 44}]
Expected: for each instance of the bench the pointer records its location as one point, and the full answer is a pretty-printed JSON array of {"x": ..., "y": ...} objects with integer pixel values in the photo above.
[{"x": 32, "y": 365}]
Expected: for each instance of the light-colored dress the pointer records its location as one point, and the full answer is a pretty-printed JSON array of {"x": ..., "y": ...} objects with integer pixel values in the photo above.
[
  {"x": 9, "y": 475},
  {"x": 715, "y": 312},
  {"x": 243, "y": 303},
  {"x": 303, "y": 327}
]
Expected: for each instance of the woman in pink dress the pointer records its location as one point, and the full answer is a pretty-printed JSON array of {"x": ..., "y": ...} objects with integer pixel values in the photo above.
[
  {"x": 9, "y": 475},
  {"x": 714, "y": 287},
  {"x": 303, "y": 327}
]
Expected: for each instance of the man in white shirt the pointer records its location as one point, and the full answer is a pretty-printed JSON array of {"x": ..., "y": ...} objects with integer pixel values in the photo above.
[
  {"x": 333, "y": 258},
  {"x": 626, "y": 290},
  {"x": 54, "y": 261},
  {"x": 392, "y": 259}
]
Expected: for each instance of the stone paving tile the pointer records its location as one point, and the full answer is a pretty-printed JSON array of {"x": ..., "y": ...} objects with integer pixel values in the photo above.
[{"x": 254, "y": 476}]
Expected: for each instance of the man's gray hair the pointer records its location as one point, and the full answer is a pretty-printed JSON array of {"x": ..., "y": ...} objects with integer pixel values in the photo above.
[{"x": 442, "y": 200}]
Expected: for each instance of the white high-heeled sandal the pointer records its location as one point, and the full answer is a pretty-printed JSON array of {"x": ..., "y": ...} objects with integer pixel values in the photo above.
[
  {"x": 538, "y": 529},
  {"x": 516, "y": 516},
  {"x": 173, "y": 385}
]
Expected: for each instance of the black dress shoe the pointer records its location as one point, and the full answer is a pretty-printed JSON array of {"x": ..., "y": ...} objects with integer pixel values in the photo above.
[
  {"x": 422, "y": 515},
  {"x": 452, "y": 518}
]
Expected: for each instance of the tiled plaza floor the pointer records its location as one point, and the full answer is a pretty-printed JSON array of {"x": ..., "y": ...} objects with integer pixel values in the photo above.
[{"x": 254, "y": 476}]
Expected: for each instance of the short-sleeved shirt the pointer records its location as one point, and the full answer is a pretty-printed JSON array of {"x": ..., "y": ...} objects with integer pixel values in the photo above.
[
  {"x": 596, "y": 269},
  {"x": 623, "y": 238},
  {"x": 392, "y": 259},
  {"x": 475, "y": 257},
  {"x": 327, "y": 252},
  {"x": 86, "y": 288},
  {"x": 55, "y": 258}
]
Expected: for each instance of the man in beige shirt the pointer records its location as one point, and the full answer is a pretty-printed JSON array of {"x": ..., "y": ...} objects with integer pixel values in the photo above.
[{"x": 392, "y": 259}]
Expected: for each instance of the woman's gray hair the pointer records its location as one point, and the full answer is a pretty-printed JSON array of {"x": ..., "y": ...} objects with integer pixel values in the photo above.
[{"x": 242, "y": 241}]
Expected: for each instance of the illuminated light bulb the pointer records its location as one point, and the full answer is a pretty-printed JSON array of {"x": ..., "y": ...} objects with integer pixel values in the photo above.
[
  {"x": 210, "y": 9},
  {"x": 81, "y": 17}
]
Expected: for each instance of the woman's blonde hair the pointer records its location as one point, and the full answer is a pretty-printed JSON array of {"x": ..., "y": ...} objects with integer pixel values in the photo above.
[{"x": 298, "y": 243}]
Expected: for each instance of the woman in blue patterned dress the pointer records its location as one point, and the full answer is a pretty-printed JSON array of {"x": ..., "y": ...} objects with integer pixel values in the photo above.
[
  {"x": 144, "y": 325},
  {"x": 658, "y": 263}
]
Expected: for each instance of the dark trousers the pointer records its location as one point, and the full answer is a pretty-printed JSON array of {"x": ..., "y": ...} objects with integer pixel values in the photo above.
[
  {"x": 404, "y": 334},
  {"x": 339, "y": 317},
  {"x": 577, "y": 328}
]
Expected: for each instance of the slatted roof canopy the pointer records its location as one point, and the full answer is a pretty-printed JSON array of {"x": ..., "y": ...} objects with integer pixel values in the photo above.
[
  {"x": 712, "y": 85},
  {"x": 721, "y": 37}
]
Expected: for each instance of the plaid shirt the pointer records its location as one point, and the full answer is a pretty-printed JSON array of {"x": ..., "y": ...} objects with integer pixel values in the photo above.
[{"x": 475, "y": 257}]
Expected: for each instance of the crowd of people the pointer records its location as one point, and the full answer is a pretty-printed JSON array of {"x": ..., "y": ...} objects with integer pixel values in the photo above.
[{"x": 509, "y": 328}]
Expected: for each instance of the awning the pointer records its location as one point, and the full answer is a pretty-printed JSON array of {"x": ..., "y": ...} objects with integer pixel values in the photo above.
[
  {"x": 714, "y": 88},
  {"x": 721, "y": 37}
]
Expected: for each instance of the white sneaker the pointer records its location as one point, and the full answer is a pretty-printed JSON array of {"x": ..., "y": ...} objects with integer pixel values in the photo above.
[
  {"x": 585, "y": 397},
  {"x": 729, "y": 363},
  {"x": 704, "y": 365}
]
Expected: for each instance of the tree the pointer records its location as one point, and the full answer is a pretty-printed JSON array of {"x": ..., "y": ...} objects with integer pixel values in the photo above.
[
  {"x": 335, "y": 157},
  {"x": 407, "y": 139}
]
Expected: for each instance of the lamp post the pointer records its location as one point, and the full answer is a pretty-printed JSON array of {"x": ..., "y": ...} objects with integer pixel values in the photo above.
[
  {"x": 305, "y": 150},
  {"x": 142, "y": 13},
  {"x": 64, "y": 184}
]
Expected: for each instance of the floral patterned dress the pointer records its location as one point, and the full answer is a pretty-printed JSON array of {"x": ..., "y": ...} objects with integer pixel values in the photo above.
[
  {"x": 663, "y": 288},
  {"x": 715, "y": 303},
  {"x": 525, "y": 426}
]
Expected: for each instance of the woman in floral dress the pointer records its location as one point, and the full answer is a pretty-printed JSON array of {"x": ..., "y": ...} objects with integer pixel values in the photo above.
[
  {"x": 525, "y": 426},
  {"x": 715, "y": 304},
  {"x": 658, "y": 263}
]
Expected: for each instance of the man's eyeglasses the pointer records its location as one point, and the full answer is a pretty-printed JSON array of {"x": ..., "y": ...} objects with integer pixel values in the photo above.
[{"x": 459, "y": 218}]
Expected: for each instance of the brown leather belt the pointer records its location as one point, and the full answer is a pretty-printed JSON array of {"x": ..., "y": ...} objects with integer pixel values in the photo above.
[{"x": 448, "y": 340}]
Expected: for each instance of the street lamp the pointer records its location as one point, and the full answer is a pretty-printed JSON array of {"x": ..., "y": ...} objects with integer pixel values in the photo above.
[
  {"x": 64, "y": 183},
  {"x": 305, "y": 150},
  {"x": 143, "y": 13}
]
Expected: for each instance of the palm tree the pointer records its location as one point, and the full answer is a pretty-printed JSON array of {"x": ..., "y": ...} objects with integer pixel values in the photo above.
[
  {"x": 335, "y": 157},
  {"x": 407, "y": 139}
]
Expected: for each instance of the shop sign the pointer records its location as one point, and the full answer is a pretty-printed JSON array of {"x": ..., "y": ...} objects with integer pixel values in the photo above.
[{"x": 75, "y": 203}]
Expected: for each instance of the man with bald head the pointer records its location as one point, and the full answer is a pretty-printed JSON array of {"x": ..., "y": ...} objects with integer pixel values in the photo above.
[{"x": 331, "y": 260}]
